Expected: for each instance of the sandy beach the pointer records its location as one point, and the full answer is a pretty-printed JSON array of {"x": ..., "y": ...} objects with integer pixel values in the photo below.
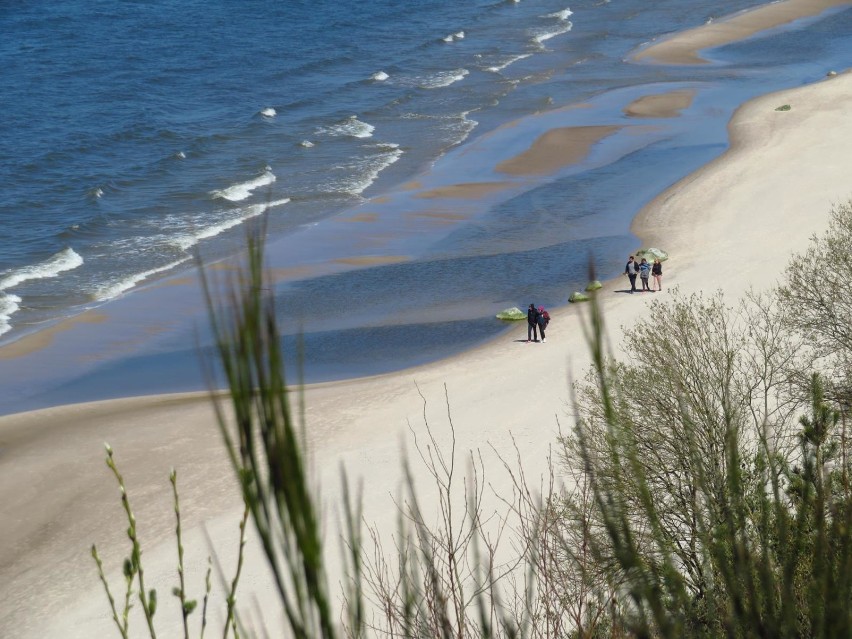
[{"x": 744, "y": 214}]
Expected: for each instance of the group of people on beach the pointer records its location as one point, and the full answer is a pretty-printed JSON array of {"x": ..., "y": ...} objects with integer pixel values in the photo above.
[
  {"x": 537, "y": 319},
  {"x": 645, "y": 271}
]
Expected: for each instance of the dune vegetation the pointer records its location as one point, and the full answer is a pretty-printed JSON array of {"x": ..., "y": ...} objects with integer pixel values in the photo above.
[{"x": 700, "y": 488}]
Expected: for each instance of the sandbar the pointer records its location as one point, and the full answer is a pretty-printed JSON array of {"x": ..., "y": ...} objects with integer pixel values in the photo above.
[
  {"x": 684, "y": 46},
  {"x": 556, "y": 149},
  {"x": 660, "y": 105}
]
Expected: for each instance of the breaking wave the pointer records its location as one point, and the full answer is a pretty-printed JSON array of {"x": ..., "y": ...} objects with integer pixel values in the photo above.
[
  {"x": 241, "y": 191},
  {"x": 350, "y": 126},
  {"x": 187, "y": 240},
  {"x": 362, "y": 172},
  {"x": 65, "y": 260},
  {"x": 9, "y": 304},
  {"x": 114, "y": 289},
  {"x": 541, "y": 35}
]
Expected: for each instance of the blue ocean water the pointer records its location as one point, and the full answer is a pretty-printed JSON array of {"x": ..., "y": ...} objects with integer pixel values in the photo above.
[{"x": 135, "y": 133}]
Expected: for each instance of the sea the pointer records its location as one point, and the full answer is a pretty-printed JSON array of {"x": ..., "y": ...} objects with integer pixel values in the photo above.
[{"x": 135, "y": 136}]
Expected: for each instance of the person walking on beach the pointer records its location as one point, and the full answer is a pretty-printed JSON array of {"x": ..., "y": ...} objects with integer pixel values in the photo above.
[
  {"x": 657, "y": 272},
  {"x": 543, "y": 321},
  {"x": 644, "y": 274},
  {"x": 630, "y": 271},
  {"x": 532, "y": 323}
]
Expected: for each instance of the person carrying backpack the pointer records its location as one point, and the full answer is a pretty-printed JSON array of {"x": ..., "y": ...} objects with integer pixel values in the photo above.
[
  {"x": 543, "y": 321},
  {"x": 532, "y": 323}
]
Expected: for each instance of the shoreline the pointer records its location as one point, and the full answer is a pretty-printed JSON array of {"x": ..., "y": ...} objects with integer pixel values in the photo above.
[
  {"x": 362, "y": 421},
  {"x": 85, "y": 355}
]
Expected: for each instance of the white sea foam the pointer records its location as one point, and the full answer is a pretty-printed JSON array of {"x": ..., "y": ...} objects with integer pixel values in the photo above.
[
  {"x": 379, "y": 76},
  {"x": 9, "y": 305},
  {"x": 502, "y": 65},
  {"x": 442, "y": 79},
  {"x": 180, "y": 155},
  {"x": 114, "y": 289},
  {"x": 65, "y": 260},
  {"x": 448, "y": 38},
  {"x": 461, "y": 125},
  {"x": 459, "y": 35},
  {"x": 306, "y": 143},
  {"x": 188, "y": 240},
  {"x": 350, "y": 126},
  {"x": 364, "y": 171},
  {"x": 243, "y": 190},
  {"x": 96, "y": 192},
  {"x": 268, "y": 112},
  {"x": 561, "y": 15},
  {"x": 464, "y": 125},
  {"x": 541, "y": 35}
]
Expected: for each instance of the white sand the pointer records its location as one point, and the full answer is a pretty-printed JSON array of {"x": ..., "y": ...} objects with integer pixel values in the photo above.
[{"x": 732, "y": 224}]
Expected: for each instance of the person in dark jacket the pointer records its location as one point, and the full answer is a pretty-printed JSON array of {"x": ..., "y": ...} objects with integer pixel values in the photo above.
[
  {"x": 532, "y": 323},
  {"x": 543, "y": 321},
  {"x": 631, "y": 270}
]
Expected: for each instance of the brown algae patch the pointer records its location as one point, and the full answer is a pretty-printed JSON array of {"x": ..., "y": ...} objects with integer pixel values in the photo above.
[
  {"x": 176, "y": 281},
  {"x": 42, "y": 339},
  {"x": 372, "y": 260},
  {"x": 284, "y": 274},
  {"x": 660, "y": 105},
  {"x": 556, "y": 149},
  {"x": 467, "y": 191},
  {"x": 441, "y": 215},
  {"x": 361, "y": 217},
  {"x": 683, "y": 47}
]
